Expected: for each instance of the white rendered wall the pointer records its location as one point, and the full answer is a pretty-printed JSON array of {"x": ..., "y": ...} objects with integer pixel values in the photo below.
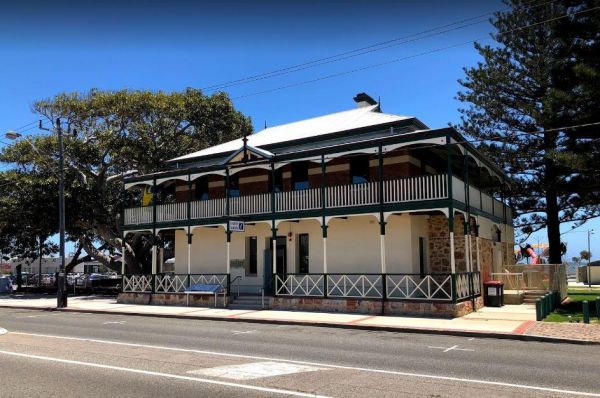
[
  {"x": 419, "y": 229},
  {"x": 353, "y": 245},
  {"x": 398, "y": 244}
]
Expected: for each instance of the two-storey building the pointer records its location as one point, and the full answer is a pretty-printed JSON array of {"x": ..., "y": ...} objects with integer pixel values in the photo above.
[{"x": 352, "y": 211}]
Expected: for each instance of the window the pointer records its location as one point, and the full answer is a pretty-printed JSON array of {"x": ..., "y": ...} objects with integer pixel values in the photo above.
[
  {"x": 359, "y": 169},
  {"x": 303, "y": 253},
  {"x": 251, "y": 255},
  {"x": 278, "y": 183},
  {"x": 422, "y": 256},
  {"x": 202, "y": 188},
  {"x": 234, "y": 186},
  {"x": 299, "y": 176}
]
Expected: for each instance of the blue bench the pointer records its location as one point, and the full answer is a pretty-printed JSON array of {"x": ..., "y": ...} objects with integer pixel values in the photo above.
[{"x": 206, "y": 288}]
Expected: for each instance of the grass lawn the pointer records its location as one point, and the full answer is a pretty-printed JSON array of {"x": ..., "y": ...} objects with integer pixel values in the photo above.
[{"x": 573, "y": 312}]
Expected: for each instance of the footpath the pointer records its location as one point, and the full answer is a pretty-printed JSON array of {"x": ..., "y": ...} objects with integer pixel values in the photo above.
[{"x": 510, "y": 321}]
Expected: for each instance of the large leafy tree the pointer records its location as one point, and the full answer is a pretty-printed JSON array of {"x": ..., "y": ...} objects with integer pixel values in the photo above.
[
  {"x": 108, "y": 134},
  {"x": 539, "y": 79}
]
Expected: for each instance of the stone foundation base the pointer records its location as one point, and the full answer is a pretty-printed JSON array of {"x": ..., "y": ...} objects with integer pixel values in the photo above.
[
  {"x": 348, "y": 306},
  {"x": 179, "y": 299},
  {"x": 373, "y": 307}
]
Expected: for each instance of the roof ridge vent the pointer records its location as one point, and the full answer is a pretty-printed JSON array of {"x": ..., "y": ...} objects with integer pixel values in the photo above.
[{"x": 363, "y": 100}]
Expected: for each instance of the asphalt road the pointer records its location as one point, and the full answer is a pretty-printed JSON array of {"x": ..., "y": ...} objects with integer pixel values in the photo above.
[{"x": 97, "y": 355}]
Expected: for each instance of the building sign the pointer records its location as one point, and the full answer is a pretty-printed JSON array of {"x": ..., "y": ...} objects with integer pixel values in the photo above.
[{"x": 236, "y": 226}]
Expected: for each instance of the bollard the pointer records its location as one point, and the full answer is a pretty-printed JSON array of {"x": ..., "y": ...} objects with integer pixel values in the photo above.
[
  {"x": 538, "y": 310},
  {"x": 586, "y": 312},
  {"x": 598, "y": 308}
]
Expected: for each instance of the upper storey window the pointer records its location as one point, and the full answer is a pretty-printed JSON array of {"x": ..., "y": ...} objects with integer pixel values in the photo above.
[
  {"x": 300, "y": 176},
  {"x": 202, "y": 188},
  {"x": 234, "y": 186},
  {"x": 359, "y": 169}
]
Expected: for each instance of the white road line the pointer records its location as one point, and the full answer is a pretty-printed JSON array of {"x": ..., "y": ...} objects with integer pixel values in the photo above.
[
  {"x": 454, "y": 347},
  {"x": 167, "y": 375},
  {"x": 114, "y": 322},
  {"x": 242, "y": 331},
  {"x": 381, "y": 371}
]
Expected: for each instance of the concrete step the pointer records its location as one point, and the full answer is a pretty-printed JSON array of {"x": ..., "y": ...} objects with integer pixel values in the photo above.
[
  {"x": 242, "y": 299},
  {"x": 237, "y": 306}
]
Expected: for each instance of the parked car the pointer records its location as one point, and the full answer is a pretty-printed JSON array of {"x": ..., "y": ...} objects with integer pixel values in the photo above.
[{"x": 109, "y": 282}]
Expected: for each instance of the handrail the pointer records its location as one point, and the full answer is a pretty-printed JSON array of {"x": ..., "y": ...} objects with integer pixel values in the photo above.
[
  {"x": 236, "y": 279},
  {"x": 262, "y": 297}
]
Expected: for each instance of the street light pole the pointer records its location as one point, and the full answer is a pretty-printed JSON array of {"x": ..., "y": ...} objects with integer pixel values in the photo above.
[
  {"x": 61, "y": 294},
  {"x": 589, "y": 232},
  {"x": 61, "y": 290},
  {"x": 61, "y": 299}
]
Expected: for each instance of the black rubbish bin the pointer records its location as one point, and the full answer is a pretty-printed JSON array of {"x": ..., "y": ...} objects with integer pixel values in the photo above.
[{"x": 493, "y": 293}]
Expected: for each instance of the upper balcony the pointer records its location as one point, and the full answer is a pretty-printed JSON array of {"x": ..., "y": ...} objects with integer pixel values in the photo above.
[{"x": 417, "y": 192}]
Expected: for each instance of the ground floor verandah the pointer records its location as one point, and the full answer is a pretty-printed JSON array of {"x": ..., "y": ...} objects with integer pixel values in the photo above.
[{"x": 415, "y": 258}]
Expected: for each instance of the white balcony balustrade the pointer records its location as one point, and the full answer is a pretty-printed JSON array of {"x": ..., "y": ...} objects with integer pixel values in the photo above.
[
  {"x": 411, "y": 189},
  {"x": 306, "y": 199},
  {"x": 172, "y": 212}
]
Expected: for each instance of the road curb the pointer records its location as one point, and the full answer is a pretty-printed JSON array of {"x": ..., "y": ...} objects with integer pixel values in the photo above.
[{"x": 398, "y": 329}]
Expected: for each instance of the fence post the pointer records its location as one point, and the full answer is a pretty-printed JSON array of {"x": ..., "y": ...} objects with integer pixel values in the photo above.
[
  {"x": 383, "y": 292},
  {"x": 586, "y": 311},
  {"x": 153, "y": 283},
  {"x": 453, "y": 287},
  {"x": 538, "y": 310},
  {"x": 598, "y": 307},
  {"x": 229, "y": 284},
  {"x": 324, "y": 285}
]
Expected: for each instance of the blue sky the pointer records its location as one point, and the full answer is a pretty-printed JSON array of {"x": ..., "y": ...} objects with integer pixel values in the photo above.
[{"x": 51, "y": 47}]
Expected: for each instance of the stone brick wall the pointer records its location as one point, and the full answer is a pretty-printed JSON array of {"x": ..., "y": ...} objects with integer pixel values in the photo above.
[
  {"x": 180, "y": 299},
  {"x": 413, "y": 308},
  {"x": 439, "y": 244},
  {"x": 485, "y": 259}
]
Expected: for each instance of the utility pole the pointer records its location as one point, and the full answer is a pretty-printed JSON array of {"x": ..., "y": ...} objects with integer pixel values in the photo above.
[
  {"x": 61, "y": 299},
  {"x": 589, "y": 232},
  {"x": 61, "y": 291}
]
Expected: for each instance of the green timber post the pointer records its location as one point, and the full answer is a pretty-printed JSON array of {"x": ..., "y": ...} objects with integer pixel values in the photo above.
[
  {"x": 227, "y": 231},
  {"x": 189, "y": 230},
  {"x": 382, "y": 228},
  {"x": 154, "y": 254},
  {"x": 451, "y": 217},
  {"x": 324, "y": 220},
  {"x": 273, "y": 232}
]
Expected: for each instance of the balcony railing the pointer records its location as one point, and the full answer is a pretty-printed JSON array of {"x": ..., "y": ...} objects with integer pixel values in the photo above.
[
  {"x": 479, "y": 200},
  {"x": 411, "y": 189},
  {"x": 420, "y": 188}
]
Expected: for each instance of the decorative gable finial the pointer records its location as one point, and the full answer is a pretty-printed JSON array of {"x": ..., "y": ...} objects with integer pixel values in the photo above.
[{"x": 245, "y": 140}]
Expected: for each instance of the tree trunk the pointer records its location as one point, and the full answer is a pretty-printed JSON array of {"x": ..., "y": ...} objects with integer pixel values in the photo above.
[
  {"x": 552, "y": 216},
  {"x": 553, "y": 226}
]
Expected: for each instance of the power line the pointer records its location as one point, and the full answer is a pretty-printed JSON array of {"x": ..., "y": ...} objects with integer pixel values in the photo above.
[
  {"x": 367, "y": 49},
  {"x": 384, "y": 63},
  {"x": 352, "y": 53}
]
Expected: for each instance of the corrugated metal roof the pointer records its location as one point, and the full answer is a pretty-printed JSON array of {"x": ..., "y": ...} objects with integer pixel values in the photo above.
[{"x": 322, "y": 125}]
